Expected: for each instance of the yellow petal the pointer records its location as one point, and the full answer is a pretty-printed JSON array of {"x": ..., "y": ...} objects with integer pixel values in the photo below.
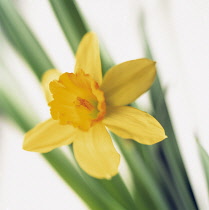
[
  {"x": 88, "y": 57},
  {"x": 131, "y": 123},
  {"x": 95, "y": 153},
  {"x": 49, "y": 76},
  {"x": 125, "y": 82},
  {"x": 47, "y": 136}
]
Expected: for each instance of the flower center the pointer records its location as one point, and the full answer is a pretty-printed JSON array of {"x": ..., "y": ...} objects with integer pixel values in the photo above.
[{"x": 78, "y": 101}]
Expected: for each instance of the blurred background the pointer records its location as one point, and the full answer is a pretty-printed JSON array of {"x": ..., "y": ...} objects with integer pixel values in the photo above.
[{"x": 178, "y": 36}]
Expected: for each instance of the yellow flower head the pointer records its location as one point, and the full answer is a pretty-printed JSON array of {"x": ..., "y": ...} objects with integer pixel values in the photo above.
[{"x": 83, "y": 105}]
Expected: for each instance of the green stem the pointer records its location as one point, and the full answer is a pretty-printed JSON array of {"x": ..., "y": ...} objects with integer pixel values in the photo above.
[
  {"x": 162, "y": 176},
  {"x": 141, "y": 173},
  {"x": 171, "y": 150},
  {"x": 74, "y": 27},
  {"x": 109, "y": 199},
  {"x": 205, "y": 161},
  {"x": 115, "y": 187},
  {"x": 70, "y": 20},
  {"x": 69, "y": 174},
  {"x": 170, "y": 146}
]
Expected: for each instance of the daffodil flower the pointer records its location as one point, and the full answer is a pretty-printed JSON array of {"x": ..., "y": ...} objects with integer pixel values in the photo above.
[{"x": 83, "y": 105}]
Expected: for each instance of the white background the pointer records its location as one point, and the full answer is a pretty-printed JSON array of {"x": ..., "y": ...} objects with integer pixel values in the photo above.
[{"x": 179, "y": 36}]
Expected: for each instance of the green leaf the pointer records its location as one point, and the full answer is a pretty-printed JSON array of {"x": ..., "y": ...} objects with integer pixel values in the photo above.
[
  {"x": 169, "y": 147},
  {"x": 115, "y": 187},
  {"x": 22, "y": 39},
  {"x": 205, "y": 161},
  {"x": 152, "y": 191},
  {"x": 69, "y": 173},
  {"x": 71, "y": 21},
  {"x": 74, "y": 27}
]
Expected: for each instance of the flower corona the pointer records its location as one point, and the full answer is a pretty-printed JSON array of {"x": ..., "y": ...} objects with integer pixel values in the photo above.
[{"x": 78, "y": 101}]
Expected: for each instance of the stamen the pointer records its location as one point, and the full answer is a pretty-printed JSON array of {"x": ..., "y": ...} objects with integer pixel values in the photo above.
[{"x": 85, "y": 103}]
